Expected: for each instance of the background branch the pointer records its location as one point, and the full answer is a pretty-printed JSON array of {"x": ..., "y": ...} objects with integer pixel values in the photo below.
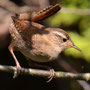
[
  {"x": 13, "y": 8},
  {"x": 43, "y": 73},
  {"x": 69, "y": 68},
  {"x": 75, "y": 11}
]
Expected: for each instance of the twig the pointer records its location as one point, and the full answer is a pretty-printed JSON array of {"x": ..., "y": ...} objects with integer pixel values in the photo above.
[
  {"x": 76, "y": 11},
  {"x": 10, "y": 6},
  {"x": 85, "y": 85},
  {"x": 13, "y": 8},
  {"x": 43, "y": 73}
]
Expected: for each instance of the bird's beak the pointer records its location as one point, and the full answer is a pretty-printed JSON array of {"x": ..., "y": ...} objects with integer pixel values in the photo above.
[{"x": 76, "y": 48}]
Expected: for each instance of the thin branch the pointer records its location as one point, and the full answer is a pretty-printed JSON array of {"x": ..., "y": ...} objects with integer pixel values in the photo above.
[
  {"x": 10, "y": 6},
  {"x": 13, "y": 8},
  {"x": 77, "y": 11},
  {"x": 85, "y": 85},
  {"x": 43, "y": 73}
]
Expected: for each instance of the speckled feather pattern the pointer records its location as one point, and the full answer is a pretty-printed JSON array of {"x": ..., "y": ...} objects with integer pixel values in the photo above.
[{"x": 45, "y": 13}]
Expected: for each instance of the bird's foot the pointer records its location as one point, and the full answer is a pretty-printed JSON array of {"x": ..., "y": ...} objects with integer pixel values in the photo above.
[
  {"x": 17, "y": 71},
  {"x": 52, "y": 75}
]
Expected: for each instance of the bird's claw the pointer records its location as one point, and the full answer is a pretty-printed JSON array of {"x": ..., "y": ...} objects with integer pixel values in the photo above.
[
  {"x": 17, "y": 72},
  {"x": 52, "y": 75}
]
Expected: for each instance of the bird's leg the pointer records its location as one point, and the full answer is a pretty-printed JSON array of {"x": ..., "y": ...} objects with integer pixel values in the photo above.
[
  {"x": 11, "y": 49},
  {"x": 52, "y": 72}
]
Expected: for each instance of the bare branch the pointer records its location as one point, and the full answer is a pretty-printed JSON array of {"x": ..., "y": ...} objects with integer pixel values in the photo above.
[
  {"x": 43, "y": 73},
  {"x": 13, "y": 8},
  {"x": 10, "y": 6},
  {"x": 76, "y": 11}
]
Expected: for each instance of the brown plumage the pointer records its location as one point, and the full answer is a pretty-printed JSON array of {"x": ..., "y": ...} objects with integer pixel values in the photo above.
[
  {"x": 37, "y": 42},
  {"x": 40, "y": 15},
  {"x": 45, "y": 13}
]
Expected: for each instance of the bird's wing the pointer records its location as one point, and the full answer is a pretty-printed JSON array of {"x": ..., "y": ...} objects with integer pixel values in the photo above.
[{"x": 21, "y": 25}]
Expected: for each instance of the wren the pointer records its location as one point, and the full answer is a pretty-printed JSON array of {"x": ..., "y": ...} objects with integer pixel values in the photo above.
[{"x": 35, "y": 41}]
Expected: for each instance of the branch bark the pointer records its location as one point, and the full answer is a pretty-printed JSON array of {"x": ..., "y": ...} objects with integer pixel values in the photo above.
[{"x": 44, "y": 73}]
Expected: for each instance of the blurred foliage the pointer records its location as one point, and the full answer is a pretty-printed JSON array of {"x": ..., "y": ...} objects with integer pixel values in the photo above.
[{"x": 80, "y": 33}]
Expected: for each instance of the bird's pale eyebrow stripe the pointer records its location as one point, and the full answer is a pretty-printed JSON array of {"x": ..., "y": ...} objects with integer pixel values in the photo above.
[{"x": 60, "y": 34}]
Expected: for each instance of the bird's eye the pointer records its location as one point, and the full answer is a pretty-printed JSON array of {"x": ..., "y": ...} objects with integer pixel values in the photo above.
[
  {"x": 64, "y": 40},
  {"x": 67, "y": 37}
]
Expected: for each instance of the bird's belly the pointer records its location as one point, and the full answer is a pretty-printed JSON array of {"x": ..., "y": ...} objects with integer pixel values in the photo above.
[{"x": 37, "y": 58}]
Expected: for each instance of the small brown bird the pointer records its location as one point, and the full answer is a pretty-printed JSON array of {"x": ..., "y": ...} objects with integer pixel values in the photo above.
[{"x": 37, "y": 42}]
